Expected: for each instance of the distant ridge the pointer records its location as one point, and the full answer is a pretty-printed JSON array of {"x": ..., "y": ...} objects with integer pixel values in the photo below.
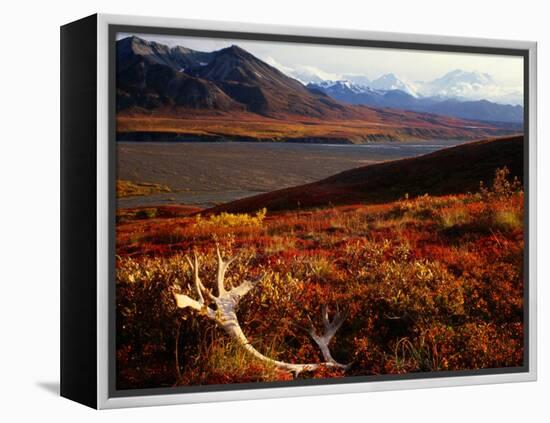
[{"x": 449, "y": 171}]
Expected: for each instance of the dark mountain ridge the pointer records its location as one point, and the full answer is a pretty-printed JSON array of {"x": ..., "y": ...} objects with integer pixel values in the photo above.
[
  {"x": 151, "y": 75},
  {"x": 132, "y": 49}
]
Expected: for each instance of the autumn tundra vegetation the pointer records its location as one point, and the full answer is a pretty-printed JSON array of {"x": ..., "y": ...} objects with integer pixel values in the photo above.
[
  {"x": 236, "y": 266},
  {"x": 422, "y": 283}
]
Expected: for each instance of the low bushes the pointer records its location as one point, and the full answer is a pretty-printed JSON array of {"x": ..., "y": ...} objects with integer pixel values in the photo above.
[{"x": 429, "y": 284}]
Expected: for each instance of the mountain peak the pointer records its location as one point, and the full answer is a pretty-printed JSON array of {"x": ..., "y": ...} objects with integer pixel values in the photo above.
[
  {"x": 181, "y": 49},
  {"x": 468, "y": 76},
  {"x": 134, "y": 40},
  {"x": 130, "y": 41},
  {"x": 235, "y": 50},
  {"x": 463, "y": 84},
  {"x": 455, "y": 72},
  {"x": 390, "y": 81},
  {"x": 149, "y": 51}
]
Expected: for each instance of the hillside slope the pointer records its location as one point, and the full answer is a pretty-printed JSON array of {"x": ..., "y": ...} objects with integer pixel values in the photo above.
[{"x": 453, "y": 170}]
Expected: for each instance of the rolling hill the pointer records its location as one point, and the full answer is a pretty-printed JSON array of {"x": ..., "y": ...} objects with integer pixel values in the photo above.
[{"x": 450, "y": 171}]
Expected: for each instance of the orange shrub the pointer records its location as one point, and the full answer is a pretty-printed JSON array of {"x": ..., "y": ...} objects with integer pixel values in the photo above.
[{"x": 429, "y": 284}]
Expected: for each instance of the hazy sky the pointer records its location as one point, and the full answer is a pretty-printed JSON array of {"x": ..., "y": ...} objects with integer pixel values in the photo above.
[{"x": 334, "y": 61}]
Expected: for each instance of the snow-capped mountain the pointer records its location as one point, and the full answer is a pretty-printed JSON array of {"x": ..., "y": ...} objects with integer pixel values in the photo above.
[
  {"x": 310, "y": 74},
  {"x": 458, "y": 83},
  {"x": 362, "y": 84},
  {"x": 466, "y": 85},
  {"x": 342, "y": 86},
  {"x": 346, "y": 91},
  {"x": 390, "y": 81}
]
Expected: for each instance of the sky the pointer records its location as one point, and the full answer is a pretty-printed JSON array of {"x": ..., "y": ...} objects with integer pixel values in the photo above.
[{"x": 335, "y": 62}]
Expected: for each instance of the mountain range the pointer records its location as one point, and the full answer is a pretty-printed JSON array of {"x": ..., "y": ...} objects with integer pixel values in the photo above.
[
  {"x": 399, "y": 95},
  {"x": 457, "y": 84},
  {"x": 177, "y": 93}
]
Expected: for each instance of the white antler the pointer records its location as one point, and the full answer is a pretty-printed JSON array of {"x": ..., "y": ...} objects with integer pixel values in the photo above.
[
  {"x": 225, "y": 315},
  {"x": 331, "y": 327}
]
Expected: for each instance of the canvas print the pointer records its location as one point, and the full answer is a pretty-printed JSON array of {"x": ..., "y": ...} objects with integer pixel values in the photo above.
[{"x": 292, "y": 211}]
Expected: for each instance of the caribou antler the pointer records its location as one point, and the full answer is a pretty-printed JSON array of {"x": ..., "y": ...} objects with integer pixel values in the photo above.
[
  {"x": 225, "y": 315},
  {"x": 331, "y": 327}
]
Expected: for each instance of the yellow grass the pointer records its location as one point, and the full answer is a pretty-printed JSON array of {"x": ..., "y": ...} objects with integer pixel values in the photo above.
[{"x": 133, "y": 189}]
